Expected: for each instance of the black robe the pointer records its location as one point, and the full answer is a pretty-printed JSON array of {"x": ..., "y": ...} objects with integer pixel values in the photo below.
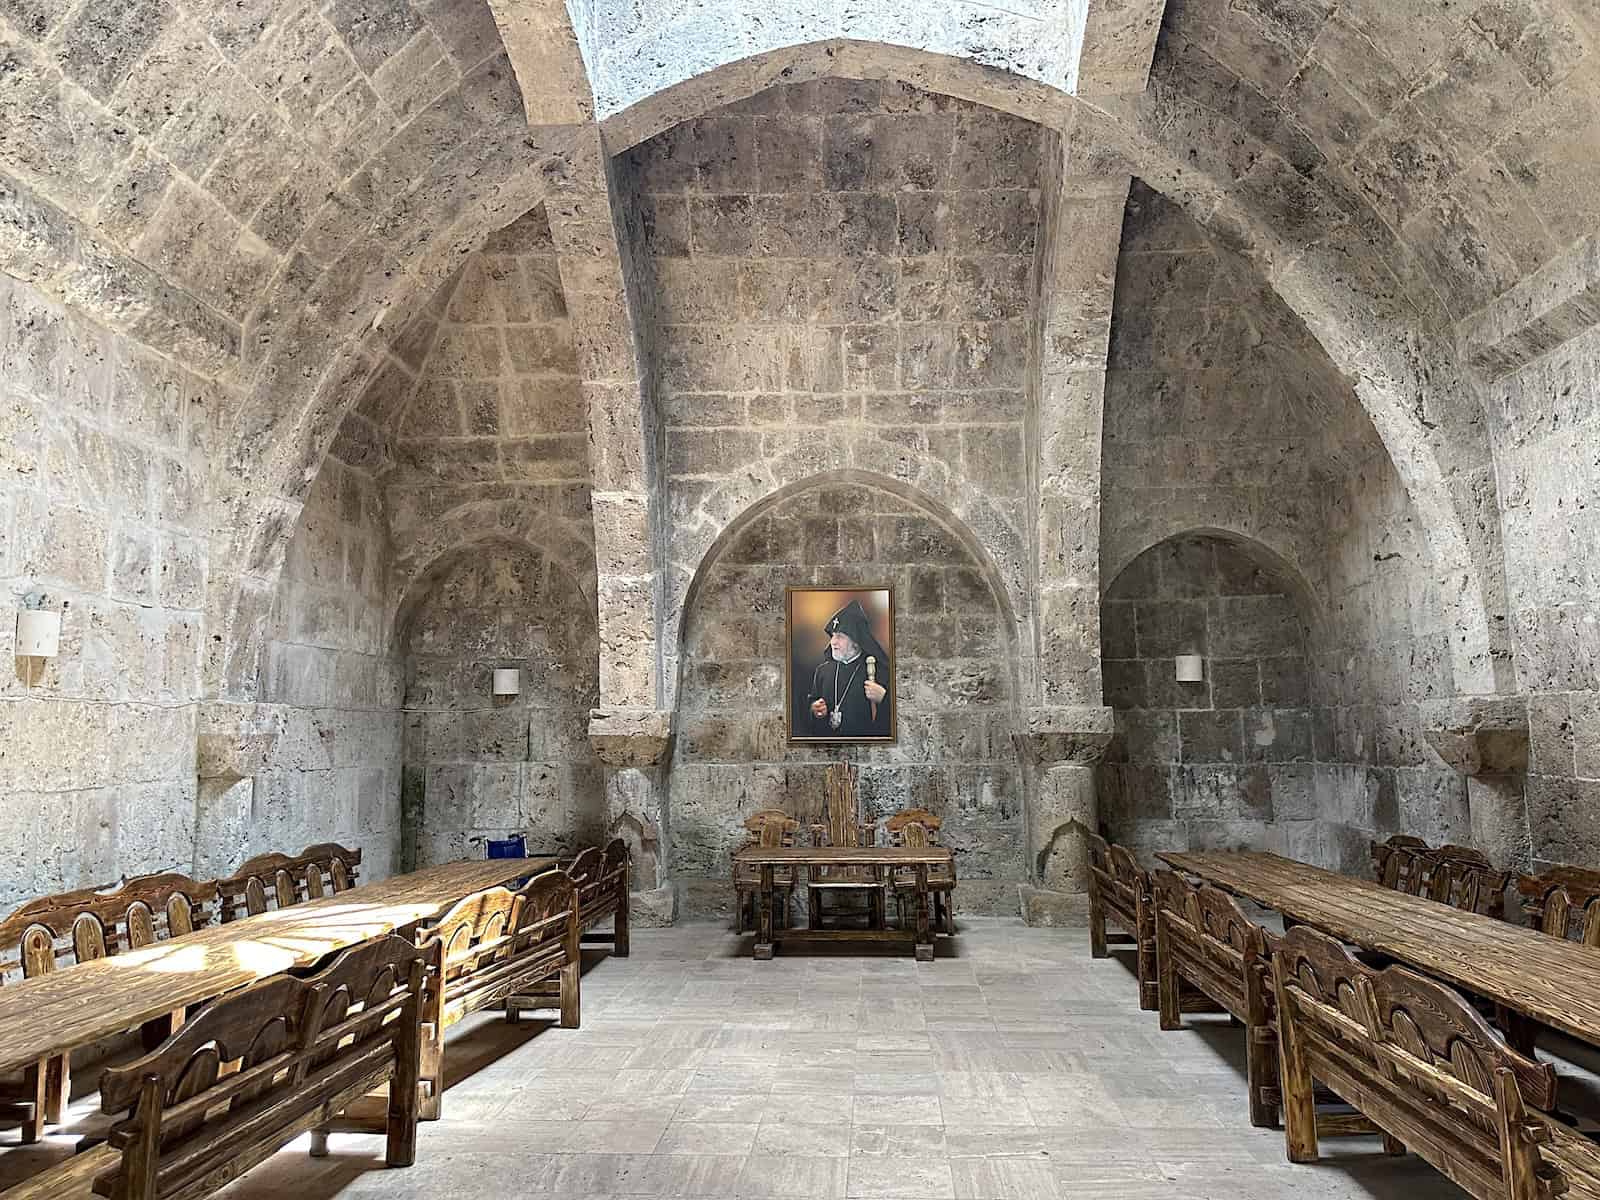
[{"x": 849, "y": 682}]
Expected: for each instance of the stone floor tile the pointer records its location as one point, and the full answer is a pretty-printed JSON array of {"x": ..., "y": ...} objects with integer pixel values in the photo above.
[
  {"x": 707, "y": 1137},
  {"x": 872, "y": 1178}
]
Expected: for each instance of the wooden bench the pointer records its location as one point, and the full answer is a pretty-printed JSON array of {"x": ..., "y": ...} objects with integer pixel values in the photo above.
[
  {"x": 1204, "y": 939},
  {"x": 272, "y": 881},
  {"x": 55, "y": 932},
  {"x": 1119, "y": 893},
  {"x": 1455, "y": 875},
  {"x": 1581, "y": 885},
  {"x": 501, "y": 948},
  {"x": 251, "y": 1071},
  {"x": 1383, "y": 851},
  {"x": 603, "y": 890},
  {"x": 1416, "y": 1059}
]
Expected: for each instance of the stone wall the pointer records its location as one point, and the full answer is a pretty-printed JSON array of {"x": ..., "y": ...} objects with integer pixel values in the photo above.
[
  {"x": 329, "y": 664},
  {"x": 1223, "y": 413},
  {"x": 844, "y": 280},
  {"x": 478, "y": 766},
  {"x": 1220, "y": 764},
  {"x": 953, "y": 671},
  {"x": 104, "y": 459},
  {"x": 1540, "y": 349}
]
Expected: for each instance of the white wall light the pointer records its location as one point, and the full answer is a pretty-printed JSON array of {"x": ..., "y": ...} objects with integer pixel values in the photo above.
[
  {"x": 1191, "y": 668},
  {"x": 38, "y": 633},
  {"x": 507, "y": 681}
]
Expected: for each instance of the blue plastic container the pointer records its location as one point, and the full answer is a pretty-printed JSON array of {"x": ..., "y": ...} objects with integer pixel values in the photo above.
[{"x": 511, "y": 847}]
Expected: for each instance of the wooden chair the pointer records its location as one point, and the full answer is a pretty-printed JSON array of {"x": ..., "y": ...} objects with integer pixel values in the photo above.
[
  {"x": 1119, "y": 893},
  {"x": 1415, "y": 1058},
  {"x": 499, "y": 948},
  {"x": 251, "y": 1071},
  {"x": 1381, "y": 852},
  {"x": 272, "y": 881},
  {"x": 54, "y": 932},
  {"x": 769, "y": 828},
  {"x": 843, "y": 828},
  {"x": 1581, "y": 883},
  {"x": 601, "y": 878},
  {"x": 919, "y": 828}
]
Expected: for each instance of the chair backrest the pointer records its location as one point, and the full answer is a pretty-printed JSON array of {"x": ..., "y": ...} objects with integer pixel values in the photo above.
[
  {"x": 1581, "y": 883},
  {"x": 1099, "y": 853},
  {"x": 762, "y": 817},
  {"x": 56, "y": 931},
  {"x": 303, "y": 1046},
  {"x": 1563, "y": 916},
  {"x": 841, "y": 810},
  {"x": 1382, "y": 850},
  {"x": 276, "y": 880},
  {"x": 1406, "y": 870},
  {"x": 1467, "y": 885},
  {"x": 906, "y": 816}
]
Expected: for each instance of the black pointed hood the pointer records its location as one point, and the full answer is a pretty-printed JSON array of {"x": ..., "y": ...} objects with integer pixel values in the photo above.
[{"x": 851, "y": 620}]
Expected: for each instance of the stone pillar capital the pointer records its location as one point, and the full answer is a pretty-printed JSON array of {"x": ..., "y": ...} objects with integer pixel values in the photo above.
[
  {"x": 1076, "y": 734},
  {"x": 1479, "y": 735},
  {"x": 630, "y": 737}
]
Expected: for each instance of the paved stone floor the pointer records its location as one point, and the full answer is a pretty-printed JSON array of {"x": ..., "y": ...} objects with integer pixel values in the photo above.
[{"x": 1014, "y": 1066}]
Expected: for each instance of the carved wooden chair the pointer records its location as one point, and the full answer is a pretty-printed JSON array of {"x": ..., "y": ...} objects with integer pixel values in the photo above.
[
  {"x": 273, "y": 881},
  {"x": 770, "y": 829},
  {"x": 1582, "y": 884},
  {"x": 1119, "y": 893},
  {"x": 1383, "y": 851},
  {"x": 251, "y": 1071},
  {"x": 843, "y": 828},
  {"x": 603, "y": 891},
  {"x": 920, "y": 828},
  {"x": 54, "y": 932}
]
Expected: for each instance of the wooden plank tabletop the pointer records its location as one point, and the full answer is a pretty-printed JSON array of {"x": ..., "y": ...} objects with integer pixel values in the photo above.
[
  {"x": 843, "y": 856},
  {"x": 54, "y": 1013},
  {"x": 1547, "y": 978}
]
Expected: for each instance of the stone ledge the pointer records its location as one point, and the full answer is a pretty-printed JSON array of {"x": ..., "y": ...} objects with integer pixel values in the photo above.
[
  {"x": 1053, "y": 910},
  {"x": 1479, "y": 735},
  {"x": 630, "y": 737},
  {"x": 1077, "y": 734},
  {"x": 655, "y": 909}
]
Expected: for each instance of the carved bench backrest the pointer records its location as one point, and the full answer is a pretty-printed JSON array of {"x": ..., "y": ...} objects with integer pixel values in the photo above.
[
  {"x": 547, "y": 917},
  {"x": 1381, "y": 852},
  {"x": 476, "y": 929},
  {"x": 56, "y": 931},
  {"x": 277, "y": 880},
  {"x": 253, "y": 1067},
  {"x": 1564, "y": 917},
  {"x": 1582, "y": 884}
]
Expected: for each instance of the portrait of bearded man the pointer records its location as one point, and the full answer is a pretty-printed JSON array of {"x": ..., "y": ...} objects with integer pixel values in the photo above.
[{"x": 849, "y": 693}]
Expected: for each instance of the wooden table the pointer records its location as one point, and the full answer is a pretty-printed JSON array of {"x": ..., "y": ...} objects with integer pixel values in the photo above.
[
  {"x": 1548, "y": 979},
  {"x": 883, "y": 860},
  {"x": 53, "y": 1014}
]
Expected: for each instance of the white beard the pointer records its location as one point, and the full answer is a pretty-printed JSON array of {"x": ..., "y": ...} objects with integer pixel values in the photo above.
[{"x": 846, "y": 659}]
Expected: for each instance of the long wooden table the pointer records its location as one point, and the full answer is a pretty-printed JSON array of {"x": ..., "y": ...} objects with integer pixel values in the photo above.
[
  {"x": 883, "y": 860},
  {"x": 54, "y": 1014},
  {"x": 1548, "y": 979}
]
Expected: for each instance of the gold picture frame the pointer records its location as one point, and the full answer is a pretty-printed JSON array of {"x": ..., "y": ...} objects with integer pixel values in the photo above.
[{"x": 826, "y": 701}]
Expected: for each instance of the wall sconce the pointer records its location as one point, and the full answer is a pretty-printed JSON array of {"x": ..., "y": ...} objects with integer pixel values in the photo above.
[
  {"x": 38, "y": 633},
  {"x": 1191, "y": 668},
  {"x": 507, "y": 681}
]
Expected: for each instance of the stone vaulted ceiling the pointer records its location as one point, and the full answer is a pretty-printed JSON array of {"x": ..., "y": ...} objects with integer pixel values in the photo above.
[{"x": 273, "y": 191}]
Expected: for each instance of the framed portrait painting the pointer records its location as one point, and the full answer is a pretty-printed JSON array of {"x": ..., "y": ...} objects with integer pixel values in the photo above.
[{"x": 841, "y": 664}]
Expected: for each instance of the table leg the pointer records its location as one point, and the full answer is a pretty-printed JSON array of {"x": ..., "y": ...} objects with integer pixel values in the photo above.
[
  {"x": 924, "y": 936},
  {"x": 767, "y": 900}
]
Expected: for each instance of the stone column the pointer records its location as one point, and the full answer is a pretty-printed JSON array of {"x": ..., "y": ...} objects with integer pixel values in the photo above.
[
  {"x": 633, "y": 746},
  {"x": 1486, "y": 739},
  {"x": 1058, "y": 749},
  {"x": 1068, "y": 729}
]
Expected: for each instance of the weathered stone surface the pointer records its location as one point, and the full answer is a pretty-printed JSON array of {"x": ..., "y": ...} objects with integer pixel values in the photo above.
[{"x": 630, "y": 737}]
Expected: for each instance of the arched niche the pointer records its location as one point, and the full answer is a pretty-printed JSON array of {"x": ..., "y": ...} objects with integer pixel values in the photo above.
[
  {"x": 477, "y": 765},
  {"x": 1226, "y": 762},
  {"x": 956, "y": 674}
]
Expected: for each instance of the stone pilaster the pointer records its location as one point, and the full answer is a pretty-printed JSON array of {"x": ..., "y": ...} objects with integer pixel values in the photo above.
[
  {"x": 1485, "y": 738},
  {"x": 1058, "y": 748},
  {"x": 633, "y": 746}
]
